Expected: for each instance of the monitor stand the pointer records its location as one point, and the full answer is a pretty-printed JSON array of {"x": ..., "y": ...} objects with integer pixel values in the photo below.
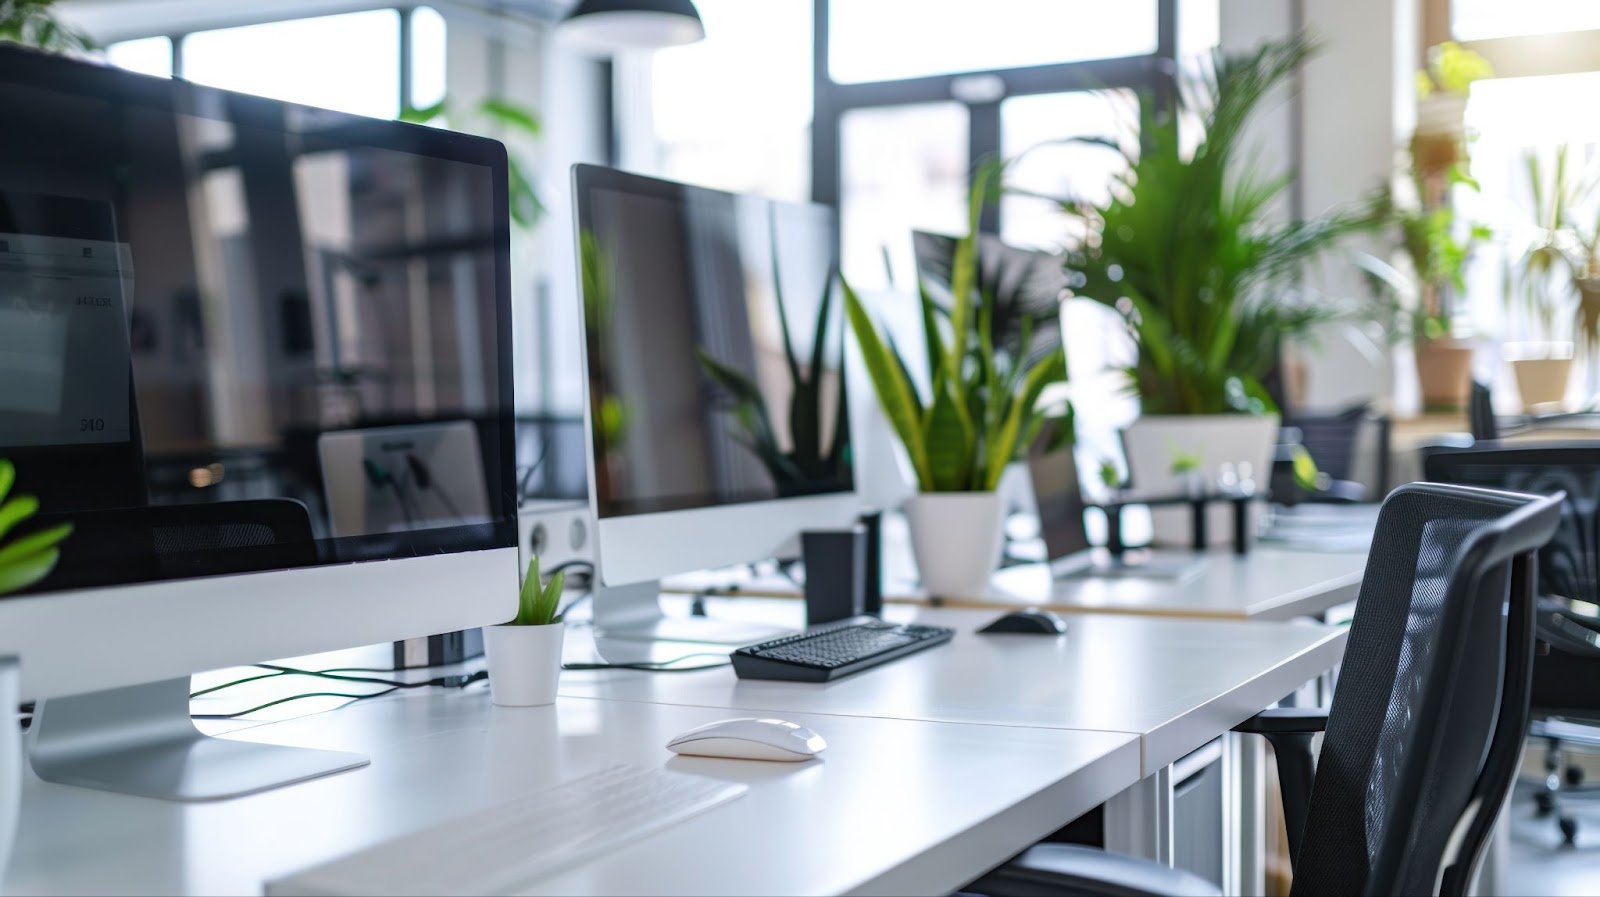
[
  {"x": 140, "y": 740},
  {"x": 633, "y": 613}
]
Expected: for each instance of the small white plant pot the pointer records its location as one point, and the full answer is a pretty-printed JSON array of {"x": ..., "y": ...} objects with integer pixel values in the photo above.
[
  {"x": 524, "y": 663},
  {"x": 956, "y": 537}
]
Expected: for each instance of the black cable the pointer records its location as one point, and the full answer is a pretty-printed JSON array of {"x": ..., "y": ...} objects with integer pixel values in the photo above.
[
  {"x": 656, "y": 666},
  {"x": 444, "y": 681},
  {"x": 315, "y": 694},
  {"x": 568, "y": 565}
]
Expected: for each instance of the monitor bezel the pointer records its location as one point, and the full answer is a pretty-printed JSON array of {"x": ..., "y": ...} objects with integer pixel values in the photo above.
[{"x": 640, "y": 547}]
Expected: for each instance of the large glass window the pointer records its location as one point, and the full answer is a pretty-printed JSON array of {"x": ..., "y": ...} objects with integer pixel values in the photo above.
[
  {"x": 1038, "y": 133},
  {"x": 346, "y": 62},
  {"x": 733, "y": 112},
  {"x": 147, "y": 55},
  {"x": 885, "y": 40},
  {"x": 905, "y": 168}
]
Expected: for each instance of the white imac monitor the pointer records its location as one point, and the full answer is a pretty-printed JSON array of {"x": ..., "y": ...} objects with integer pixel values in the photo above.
[
  {"x": 718, "y": 421},
  {"x": 196, "y": 289}
]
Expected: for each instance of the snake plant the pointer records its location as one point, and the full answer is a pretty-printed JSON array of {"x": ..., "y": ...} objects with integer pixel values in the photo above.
[
  {"x": 28, "y": 557},
  {"x": 984, "y": 409}
]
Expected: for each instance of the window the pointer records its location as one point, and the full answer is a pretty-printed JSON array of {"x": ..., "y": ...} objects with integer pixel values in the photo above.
[
  {"x": 348, "y": 62},
  {"x": 733, "y": 112},
  {"x": 147, "y": 55},
  {"x": 1482, "y": 19},
  {"x": 885, "y": 40},
  {"x": 905, "y": 168},
  {"x": 1034, "y": 131}
]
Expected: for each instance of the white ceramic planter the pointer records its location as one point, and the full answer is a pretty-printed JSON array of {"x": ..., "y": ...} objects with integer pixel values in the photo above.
[
  {"x": 10, "y": 762},
  {"x": 1153, "y": 442},
  {"x": 524, "y": 663},
  {"x": 956, "y": 537}
]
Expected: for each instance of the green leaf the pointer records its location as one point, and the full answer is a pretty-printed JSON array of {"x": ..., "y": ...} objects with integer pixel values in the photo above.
[
  {"x": 512, "y": 115},
  {"x": 1006, "y": 443},
  {"x": 952, "y": 444},
  {"x": 8, "y": 477},
  {"x": 894, "y": 390},
  {"x": 32, "y": 543},
  {"x": 15, "y": 511},
  {"x": 23, "y": 572},
  {"x": 421, "y": 115},
  {"x": 1304, "y": 467},
  {"x": 528, "y": 597}
]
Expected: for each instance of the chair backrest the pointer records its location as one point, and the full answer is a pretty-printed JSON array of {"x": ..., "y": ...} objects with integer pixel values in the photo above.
[
  {"x": 1427, "y": 721},
  {"x": 1569, "y": 567},
  {"x": 1331, "y": 438}
]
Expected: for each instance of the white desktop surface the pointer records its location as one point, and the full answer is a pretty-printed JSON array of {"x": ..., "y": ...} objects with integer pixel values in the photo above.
[
  {"x": 1175, "y": 683},
  {"x": 893, "y": 806},
  {"x": 1266, "y": 584}
]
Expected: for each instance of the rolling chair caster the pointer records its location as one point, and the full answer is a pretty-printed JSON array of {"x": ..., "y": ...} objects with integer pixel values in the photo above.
[
  {"x": 1544, "y": 804},
  {"x": 1569, "y": 831}
]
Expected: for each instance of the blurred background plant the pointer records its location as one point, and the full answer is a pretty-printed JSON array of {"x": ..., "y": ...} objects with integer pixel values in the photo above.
[{"x": 33, "y": 23}]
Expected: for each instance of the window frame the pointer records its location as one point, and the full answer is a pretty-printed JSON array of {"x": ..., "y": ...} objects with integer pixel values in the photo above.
[{"x": 1151, "y": 75}]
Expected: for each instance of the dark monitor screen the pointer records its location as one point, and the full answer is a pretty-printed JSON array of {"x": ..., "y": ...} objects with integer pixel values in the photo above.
[
  {"x": 237, "y": 334},
  {"x": 1058, "y": 494},
  {"x": 701, "y": 313}
]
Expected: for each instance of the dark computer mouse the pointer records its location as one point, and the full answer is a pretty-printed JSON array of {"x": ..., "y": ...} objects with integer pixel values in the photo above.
[{"x": 1029, "y": 621}]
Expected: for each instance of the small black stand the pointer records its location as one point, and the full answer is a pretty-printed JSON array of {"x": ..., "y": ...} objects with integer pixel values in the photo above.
[
  {"x": 836, "y": 573},
  {"x": 1199, "y": 505},
  {"x": 873, "y": 602}
]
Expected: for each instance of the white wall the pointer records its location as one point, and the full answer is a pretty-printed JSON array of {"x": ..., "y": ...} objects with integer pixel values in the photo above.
[{"x": 1340, "y": 133}]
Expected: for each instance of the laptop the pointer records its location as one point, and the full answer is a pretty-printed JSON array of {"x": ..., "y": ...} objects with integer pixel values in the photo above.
[{"x": 1058, "y": 493}]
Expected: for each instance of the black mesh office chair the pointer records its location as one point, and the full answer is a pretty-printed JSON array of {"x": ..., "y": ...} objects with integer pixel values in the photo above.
[
  {"x": 1566, "y": 682},
  {"x": 1331, "y": 440},
  {"x": 1423, "y": 738}
]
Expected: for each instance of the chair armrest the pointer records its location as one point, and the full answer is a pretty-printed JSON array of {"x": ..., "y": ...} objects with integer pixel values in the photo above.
[
  {"x": 1285, "y": 721},
  {"x": 1290, "y": 731},
  {"x": 1058, "y": 870}
]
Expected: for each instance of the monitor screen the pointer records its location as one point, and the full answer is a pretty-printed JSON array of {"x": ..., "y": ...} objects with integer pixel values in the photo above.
[
  {"x": 711, "y": 382},
  {"x": 238, "y": 335}
]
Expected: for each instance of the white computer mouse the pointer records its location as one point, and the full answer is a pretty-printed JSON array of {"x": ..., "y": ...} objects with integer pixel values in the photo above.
[{"x": 750, "y": 739}]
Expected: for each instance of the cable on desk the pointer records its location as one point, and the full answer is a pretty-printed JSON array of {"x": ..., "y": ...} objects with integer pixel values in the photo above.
[
  {"x": 459, "y": 681},
  {"x": 657, "y": 666}
]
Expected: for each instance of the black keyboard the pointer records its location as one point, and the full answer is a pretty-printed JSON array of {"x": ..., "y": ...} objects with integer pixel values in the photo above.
[{"x": 835, "y": 650}]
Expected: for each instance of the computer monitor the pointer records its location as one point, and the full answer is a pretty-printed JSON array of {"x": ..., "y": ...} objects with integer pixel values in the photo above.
[
  {"x": 701, "y": 313},
  {"x": 197, "y": 288}
]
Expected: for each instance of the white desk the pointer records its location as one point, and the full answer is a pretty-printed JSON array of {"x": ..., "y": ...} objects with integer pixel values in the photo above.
[
  {"x": 1176, "y": 684},
  {"x": 893, "y": 806},
  {"x": 1269, "y": 583}
]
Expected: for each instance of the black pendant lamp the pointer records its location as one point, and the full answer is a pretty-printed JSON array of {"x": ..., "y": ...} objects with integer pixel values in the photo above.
[{"x": 607, "y": 26}]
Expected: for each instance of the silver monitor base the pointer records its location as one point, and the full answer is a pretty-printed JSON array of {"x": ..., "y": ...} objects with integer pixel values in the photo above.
[
  {"x": 632, "y": 613},
  {"x": 140, "y": 740}
]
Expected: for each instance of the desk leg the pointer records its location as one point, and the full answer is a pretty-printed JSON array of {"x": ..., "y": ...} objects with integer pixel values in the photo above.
[
  {"x": 1244, "y": 835},
  {"x": 1139, "y": 820}
]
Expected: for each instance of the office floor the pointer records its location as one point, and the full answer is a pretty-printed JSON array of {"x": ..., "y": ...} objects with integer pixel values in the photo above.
[{"x": 1538, "y": 864}]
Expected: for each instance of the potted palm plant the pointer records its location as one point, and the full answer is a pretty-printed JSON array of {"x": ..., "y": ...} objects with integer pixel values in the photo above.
[
  {"x": 1556, "y": 281},
  {"x": 1184, "y": 250},
  {"x": 985, "y": 406},
  {"x": 525, "y": 654}
]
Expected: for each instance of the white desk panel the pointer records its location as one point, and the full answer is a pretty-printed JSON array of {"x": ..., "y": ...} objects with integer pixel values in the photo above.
[
  {"x": 1176, "y": 683},
  {"x": 892, "y": 806}
]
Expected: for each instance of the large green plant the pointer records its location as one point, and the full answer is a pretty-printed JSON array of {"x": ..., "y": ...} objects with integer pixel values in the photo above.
[
  {"x": 1185, "y": 251},
  {"x": 32, "y": 24},
  {"x": 814, "y": 457},
  {"x": 493, "y": 114},
  {"x": 983, "y": 409},
  {"x": 29, "y": 557},
  {"x": 1022, "y": 287}
]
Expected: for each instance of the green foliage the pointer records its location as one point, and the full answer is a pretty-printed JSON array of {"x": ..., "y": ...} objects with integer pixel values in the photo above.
[
  {"x": 1186, "y": 462},
  {"x": 1416, "y": 306},
  {"x": 1110, "y": 477},
  {"x": 984, "y": 409},
  {"x": 28, "y": 557},
  {"x": 1564, "y": 255},
  {"x": 1185, "y": 252},
  {"x": 1304, "y": 468},
  {"x": 32, "y": 24},
  {"x": 491, "y": 116},
  {"x": 538, "y": 600},
  {"x": 1023, "y": 289},
  {"x": 1452, "y": 68}
]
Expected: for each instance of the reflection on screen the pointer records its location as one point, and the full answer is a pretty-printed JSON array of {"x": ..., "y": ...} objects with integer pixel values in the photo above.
[
  {"x": 209, "y": 304},
  {"x": 709, "y": 383}
]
